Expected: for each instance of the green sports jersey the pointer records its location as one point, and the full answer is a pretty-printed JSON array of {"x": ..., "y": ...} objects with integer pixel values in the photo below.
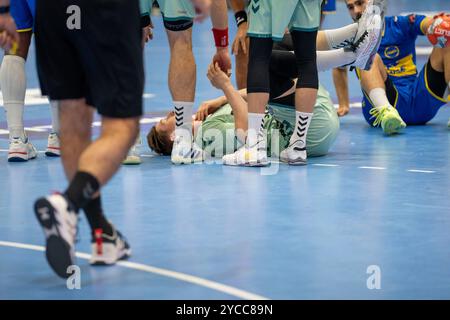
[{"x": 217, "y": 133}]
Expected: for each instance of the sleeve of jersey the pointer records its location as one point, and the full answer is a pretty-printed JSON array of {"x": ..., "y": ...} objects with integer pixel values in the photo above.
[{"x": 415, "y": 22}]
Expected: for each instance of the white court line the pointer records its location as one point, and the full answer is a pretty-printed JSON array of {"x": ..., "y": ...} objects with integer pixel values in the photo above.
[
  {"x": 372, "y": 168},
  {"x": 47, "y": 128},
  {"x": 162, "y": 272},
  {"x": 33, "y": 97},
  {"x": 421, "y": 171},
  {"x": 325, "y": 165}
]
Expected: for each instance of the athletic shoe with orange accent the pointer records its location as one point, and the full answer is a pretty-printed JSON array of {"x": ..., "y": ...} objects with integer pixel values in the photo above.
[
  {"x": 53, "y": 147},
  {"x": 20, "y": 150}
]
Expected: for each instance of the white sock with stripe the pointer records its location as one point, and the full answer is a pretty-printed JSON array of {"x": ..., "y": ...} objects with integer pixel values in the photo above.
[
  {"x": 255, "y": 124},
  {"x": 13, "y": 85},
  {"x": 302, "y": 122},
  {"x": 183, "y": 119}
]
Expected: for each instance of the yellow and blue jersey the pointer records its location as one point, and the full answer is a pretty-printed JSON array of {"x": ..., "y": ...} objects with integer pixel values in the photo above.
[{"x": 398, "y": 47}]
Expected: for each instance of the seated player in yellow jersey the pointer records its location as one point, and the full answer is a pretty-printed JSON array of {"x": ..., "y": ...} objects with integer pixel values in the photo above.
[{"x": 395, "y": 93}]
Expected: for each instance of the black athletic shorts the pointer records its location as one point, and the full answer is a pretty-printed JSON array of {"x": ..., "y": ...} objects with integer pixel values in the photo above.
[{"x": 99, "y": 59}]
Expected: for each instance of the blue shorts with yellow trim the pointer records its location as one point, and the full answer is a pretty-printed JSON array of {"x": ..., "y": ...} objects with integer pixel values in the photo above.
[
  {"x": 414, "y": 100},
  {"x": 329, "y": 6},
  {"x": 23, "y": 13}
]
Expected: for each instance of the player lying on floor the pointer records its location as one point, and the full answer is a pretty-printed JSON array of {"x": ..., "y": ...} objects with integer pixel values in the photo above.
[
  {"x": 395, "y": 94},
  {"x": 220, "y": 124},
  {"x": 281, "y": 110}
]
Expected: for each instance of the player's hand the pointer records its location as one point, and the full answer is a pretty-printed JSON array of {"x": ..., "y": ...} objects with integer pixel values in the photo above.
[
  {"x": 343, "y": 110},
  {"x": 439, "y": 31},
  {"x": 222, "y": 57},
  {"x": 205, "y": 109},
  {"x": 8, "y": 32},
  {"x": 240, "y": 41},
  {"x": 147, "y": 34},
  {"x": 217, "y": 77}
]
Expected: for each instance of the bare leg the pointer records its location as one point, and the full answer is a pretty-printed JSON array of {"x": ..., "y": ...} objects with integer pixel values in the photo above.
[
  {"x": 103, "y": 157},
  {"x": 182, "y": 69},
  {"x": 375, "y": 77},
  {"x": 75, "y": 132}
]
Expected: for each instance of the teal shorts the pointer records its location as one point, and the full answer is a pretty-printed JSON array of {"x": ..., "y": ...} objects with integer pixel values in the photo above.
[
  {"x": 271, "y": 18},
  {"x": 176, "y": 10}
]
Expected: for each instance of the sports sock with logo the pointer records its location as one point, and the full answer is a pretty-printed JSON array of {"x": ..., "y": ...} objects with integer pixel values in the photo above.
[{"x": 81, "y": 189}]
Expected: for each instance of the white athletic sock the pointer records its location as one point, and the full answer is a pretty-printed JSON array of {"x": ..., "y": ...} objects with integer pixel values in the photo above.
[
  {"x": 302, "y": 121},
  {"x": 379, "y": 98},
  {"x": 255, "y": 126},
  {"x": 183, "y": 118},
  {"x": 13, "y": 85},
  {"x": 327, "y": 60},
  {"x": 55, "y": 116},
  {"x": 338, "y": 38}
]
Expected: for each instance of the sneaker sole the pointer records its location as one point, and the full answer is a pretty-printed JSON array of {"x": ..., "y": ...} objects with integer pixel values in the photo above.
[
  {"x": 126, "y": 254},
  {"x": 19, "y": 159},
  {"x": 57, "y": 249},
  {"x": 180, "y": 161},
  {"x": 52, "y": 154},
  {"x": 294, "y": 162},
  {"x": 133, "y": 161}
]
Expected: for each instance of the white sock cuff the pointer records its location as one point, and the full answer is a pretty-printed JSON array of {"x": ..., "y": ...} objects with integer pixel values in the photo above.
[
  {"x": 184, "y": 104},
  {"x": 379, "y": 98},
  {"x": 13, "y": 58}
]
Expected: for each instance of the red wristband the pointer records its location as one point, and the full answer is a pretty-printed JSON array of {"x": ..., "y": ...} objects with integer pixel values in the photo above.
[{"x": 221, "y": 37}]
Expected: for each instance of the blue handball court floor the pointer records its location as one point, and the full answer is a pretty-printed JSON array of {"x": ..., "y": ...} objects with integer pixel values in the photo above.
[{"x": 369, "y": 221}]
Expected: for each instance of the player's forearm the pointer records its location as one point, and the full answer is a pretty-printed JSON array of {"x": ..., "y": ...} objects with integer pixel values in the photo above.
[
  {"x": 4, "y": 3},
  {"x": 237, "y": 5},
  {"x": 238, "y": 104},
  {"x": 340, "y": 78},
  {"x": 219, "y": 14}
]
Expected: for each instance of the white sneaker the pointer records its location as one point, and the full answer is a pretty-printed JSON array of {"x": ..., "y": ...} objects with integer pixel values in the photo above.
[
  {"x": 20, "y": 150},
  {"x": 185, "y": 151},
  {"x": 294, "y": 154},
  {"x": 59, "y": 223},
  {"x": 53, "y": 146},
  {"x": 255, "y": 156},
  {"x": 134, "y": 155},
  {"x": 107, "y": 250},
  {"x": 369, "y": 34}
]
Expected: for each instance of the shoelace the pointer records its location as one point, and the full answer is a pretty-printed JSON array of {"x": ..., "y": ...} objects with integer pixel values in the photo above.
[{"x": 378, "y": 114}]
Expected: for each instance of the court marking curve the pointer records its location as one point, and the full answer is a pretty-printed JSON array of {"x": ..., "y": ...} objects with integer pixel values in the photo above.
[{"x": 238, "y": 293}]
